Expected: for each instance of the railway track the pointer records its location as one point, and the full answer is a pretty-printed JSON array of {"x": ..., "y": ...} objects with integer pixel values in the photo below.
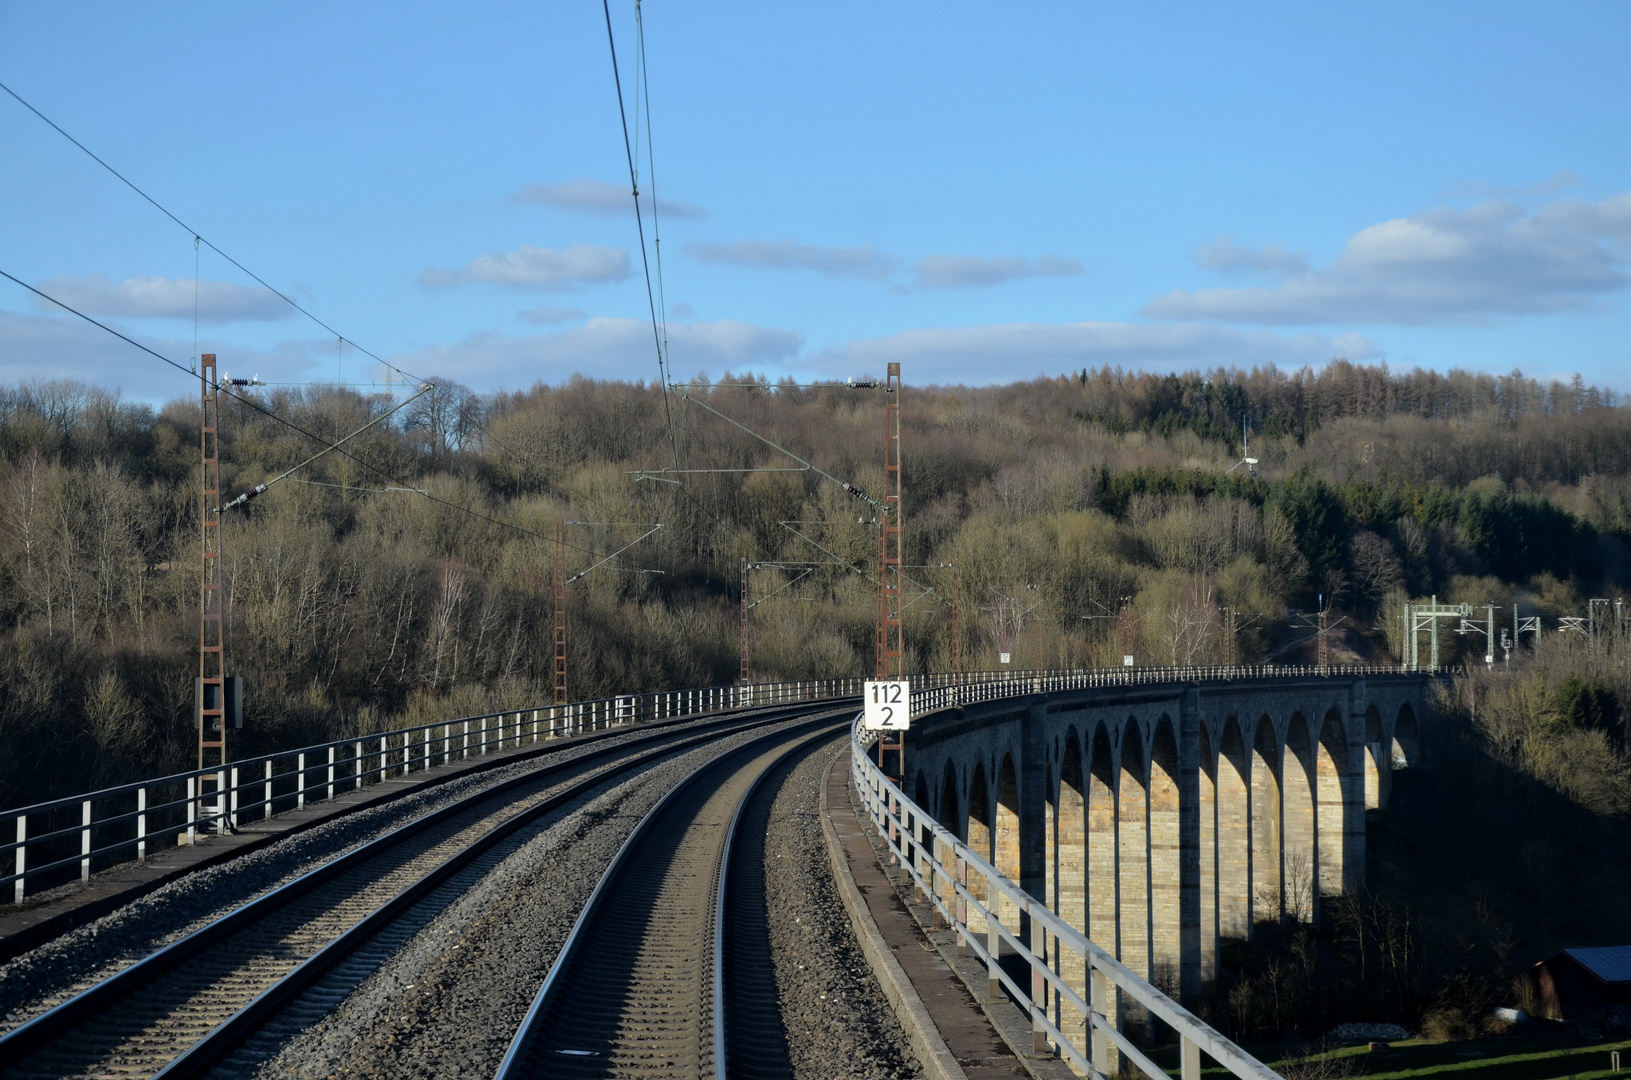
[
  {"x": 667, "y": 970},
  {"x": 295, "y": 950}
]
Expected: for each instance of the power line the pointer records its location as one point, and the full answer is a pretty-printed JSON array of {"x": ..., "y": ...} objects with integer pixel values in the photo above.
[
  {"x": 198, "y": 238},
  {"x": 259, "y": 489},
  {"x": 291, "y": 425},
  {"x": 639, "y": 224}
]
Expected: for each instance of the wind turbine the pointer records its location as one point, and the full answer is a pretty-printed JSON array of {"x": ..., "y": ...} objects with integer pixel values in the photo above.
[{"x": 1245, "y": 454}]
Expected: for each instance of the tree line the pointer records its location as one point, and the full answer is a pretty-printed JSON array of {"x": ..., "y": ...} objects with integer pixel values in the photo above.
[{"x": 1087, "y": 517}]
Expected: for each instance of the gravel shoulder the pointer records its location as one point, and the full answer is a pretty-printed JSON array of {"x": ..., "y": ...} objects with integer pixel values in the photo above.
[
  {"x": 33, "y": 982},
  {"x": 839, "y": 1024},
  {"x": 448, "y": 1004}
]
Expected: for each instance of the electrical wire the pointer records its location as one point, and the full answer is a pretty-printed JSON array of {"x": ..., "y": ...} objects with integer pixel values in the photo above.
[
  {"x": 291, "y": 425},
  {"x": 353, "y": 487},
  {"x": 198, "y": 238},
  {"x": 783, "y": 589},
  {"x": 259, "y": 489},
  {"x": 613, "y": 555},
  {"x": 851, "y": 488},
  {"x": 639, "y": 224}
]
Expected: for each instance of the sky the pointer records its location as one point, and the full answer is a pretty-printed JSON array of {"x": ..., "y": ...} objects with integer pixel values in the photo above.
[{"x": 984, "y": 193}]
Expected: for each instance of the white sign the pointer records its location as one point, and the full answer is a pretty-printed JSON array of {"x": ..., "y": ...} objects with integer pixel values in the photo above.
[
  {"x": 887, "y": 706},
  {"x": 1126, "y": 661},
  {"x": 1003, "y": 657}
]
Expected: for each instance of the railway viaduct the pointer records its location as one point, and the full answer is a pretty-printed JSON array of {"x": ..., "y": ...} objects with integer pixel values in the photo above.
[{"x": 1158, "y": 818}]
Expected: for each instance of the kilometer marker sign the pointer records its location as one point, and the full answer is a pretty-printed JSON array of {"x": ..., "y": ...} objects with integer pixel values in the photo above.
[{"x": 887, "y": 705}]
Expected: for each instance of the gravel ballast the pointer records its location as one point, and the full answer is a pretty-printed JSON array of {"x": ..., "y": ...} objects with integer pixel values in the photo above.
[
  {"x": 449, "y": 1003},
  {"x": 31, "y": 983},
  {"x": 839, "y": 1024}
]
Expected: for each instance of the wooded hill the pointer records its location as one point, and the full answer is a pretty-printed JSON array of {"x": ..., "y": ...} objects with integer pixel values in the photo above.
[{"x": 410, "y": 577}]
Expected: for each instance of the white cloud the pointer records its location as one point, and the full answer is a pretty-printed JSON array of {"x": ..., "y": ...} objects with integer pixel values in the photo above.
[
  {"x": 64, "y": 347},
  {"x": 543, "y": 269},
  {"x": 973, "y": 271},
  {"x": 990, "y": 354},
  {"x": 1226, "y": 256},
  {"x": 544, "y": 315},
  {"x": 1441, "y": 266},
  {"x": 861, "y": 261},
  {"x": 164, "y": 298},
  {"x": 585, "y": 196},
  {"x": 1477, "y": 189},
  {"x": 601, "y": 348}
]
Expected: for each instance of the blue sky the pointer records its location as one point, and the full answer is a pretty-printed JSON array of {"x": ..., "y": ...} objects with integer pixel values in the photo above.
[{"x": 982, "y": 192}]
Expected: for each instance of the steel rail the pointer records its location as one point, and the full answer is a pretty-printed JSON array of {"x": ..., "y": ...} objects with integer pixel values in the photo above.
[
  {"x": 517, "y": 1059},
  {"x": 29, "y": 1037},
  {"x": 204, "y": 1054},
  {"x": 722, "y": 894}
]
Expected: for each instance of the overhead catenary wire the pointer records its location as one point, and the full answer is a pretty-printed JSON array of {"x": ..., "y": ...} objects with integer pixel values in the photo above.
[
  {"x": 613, "y": 555},
  {"x": 783, "y": 589},
  {"x": 291, "y": 425},
  {"x": 640, "y": 225},
  {"x": 851, "y": 488},
  {"x": 353, "y": 487},
  {"x": 260, "y": 489},
  {"x": 199, "y": 238}
]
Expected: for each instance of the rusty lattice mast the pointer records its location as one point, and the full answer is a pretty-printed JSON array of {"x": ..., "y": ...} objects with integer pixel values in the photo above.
[
  {"x": 560, "y": 611},
  {"x": 889, "y": 570},
  {"x": 742, "y": 678},
  {"x": 212, "y": 731},
  {"x": 891, "y": 661}
]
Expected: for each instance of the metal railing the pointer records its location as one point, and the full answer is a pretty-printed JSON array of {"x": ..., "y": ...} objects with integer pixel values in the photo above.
[
  {"x": 949, "y": 690},
  {"x": 59, "y": 840},
  {"x": 943, "y": 868},
  {"x": 66, "y": 839}
]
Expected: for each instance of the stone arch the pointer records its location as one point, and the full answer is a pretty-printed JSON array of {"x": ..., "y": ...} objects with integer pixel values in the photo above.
[
  {"x": 1375, "y": 769},
  {"x": 1234, "y": 832},
  {"x": 948, "y": 816},
  {"x": 1068, "y": 897},
  {"x": 1068, "y": 892},
  {"x": 1266, "y": 899},
  {"x": 1208, "y": 788},
  {"x": 1103, "y": 890},
  {"x": 1006, "y": 839},
  {"x": 1406, "y": 748},
  {"x": 979, "y": 840},
  {"x": 1336, "y": 797},
  {"x": 1299, "y": 832},
  {"x": 1165, "y": 859},
  {"x": 1133, "y": 849},
  {"x": 925, "y": 834}
]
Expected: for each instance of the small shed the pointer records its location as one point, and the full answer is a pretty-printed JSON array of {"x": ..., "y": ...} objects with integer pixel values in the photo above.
[{"x": 1582, "y": 984}]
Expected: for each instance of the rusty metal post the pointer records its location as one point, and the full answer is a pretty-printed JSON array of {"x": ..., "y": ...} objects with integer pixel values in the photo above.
[
  {"x": 890, "y": 645},
  {"x": 1325, "y": 643},
  {"x": 743, "y": 678},
  {"x": 560, "y": 611},
  {"x": 211, "y": 629}
]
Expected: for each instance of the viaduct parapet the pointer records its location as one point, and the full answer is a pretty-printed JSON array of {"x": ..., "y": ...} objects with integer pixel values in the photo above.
[{"x": 1158, "y": 818}]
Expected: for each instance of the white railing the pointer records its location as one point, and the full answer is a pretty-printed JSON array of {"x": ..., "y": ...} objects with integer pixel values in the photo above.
[
  {"x": 942, "y": 868},
  {"x": 132, "y": 821},
  {"x": 63, "y": 839},
  {"x": 948, "y": 690}
]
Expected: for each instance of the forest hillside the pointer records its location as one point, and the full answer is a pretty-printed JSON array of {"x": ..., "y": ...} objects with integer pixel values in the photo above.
[{"x": 409, "y": 576}]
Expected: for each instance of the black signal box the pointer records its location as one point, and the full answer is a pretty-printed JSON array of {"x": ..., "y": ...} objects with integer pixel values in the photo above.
[{"x": 231, "y": 692}]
